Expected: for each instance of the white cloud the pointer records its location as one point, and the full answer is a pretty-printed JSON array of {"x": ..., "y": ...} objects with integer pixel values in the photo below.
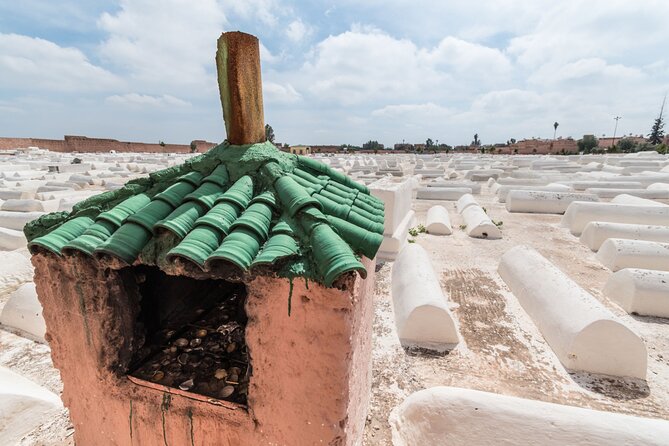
[
  {"x": 172, "y": 43},
  {"x": 355, "y": 67},
  {"x": 581, "y": 70},
  {"x": 30, "y": 63},
  {"x": 266, "y": 11},
  {"x": 368, "y": 66},
  {"x": 414, "y": 69},
  {"x": 468, "y": 58},
  {"x": 266, "y": 56},
  {"x": 136, "y": 99},
  {"x": 572, "y": 30},
  {"x": 297, "y": 30},
  {"x": 280, "y": 93},
  {"x": 411, "y": 110}
]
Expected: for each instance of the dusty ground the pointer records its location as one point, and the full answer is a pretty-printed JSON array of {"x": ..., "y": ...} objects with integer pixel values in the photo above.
[{"x": 501, "y": 349}]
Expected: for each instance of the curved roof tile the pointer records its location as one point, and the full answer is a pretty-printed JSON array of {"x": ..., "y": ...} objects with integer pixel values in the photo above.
[{"x": 250, "y": 208}]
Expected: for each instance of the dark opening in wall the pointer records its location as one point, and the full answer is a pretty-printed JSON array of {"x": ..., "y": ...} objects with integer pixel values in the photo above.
[{"x": 191, "y": 334}]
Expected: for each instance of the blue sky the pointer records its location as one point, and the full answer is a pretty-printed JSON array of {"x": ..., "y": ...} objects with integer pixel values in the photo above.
[{"x": 336, "y": 72}]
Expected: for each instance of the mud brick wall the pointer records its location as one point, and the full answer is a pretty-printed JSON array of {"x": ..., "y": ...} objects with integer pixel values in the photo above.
[{"x": 100, "y": 145}]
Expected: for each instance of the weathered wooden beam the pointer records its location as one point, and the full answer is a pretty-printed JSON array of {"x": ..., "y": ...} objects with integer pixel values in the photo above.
[{"x": 240, "y": 87}]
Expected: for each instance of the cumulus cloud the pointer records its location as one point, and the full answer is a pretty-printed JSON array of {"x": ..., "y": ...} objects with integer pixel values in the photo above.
[
  {"x": 365, "y": 65},
  {"x": 30, "y": 63},
  {"x": 594, "y": 69},
  {"x": 265, "y": 11},
  {"x": 170, "y": 44},
  {"x": 136, "y": 99},
  {"x": 469, "y": 58},
  {"x": 414, "y": 69},
  {"x": 297, "y": 30},
  {"x": 280, "y": 93},
  {"x": 410, "y": 110}
]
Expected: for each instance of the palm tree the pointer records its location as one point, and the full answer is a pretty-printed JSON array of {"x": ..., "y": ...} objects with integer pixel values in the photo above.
[{"x": 555, "y": 126}]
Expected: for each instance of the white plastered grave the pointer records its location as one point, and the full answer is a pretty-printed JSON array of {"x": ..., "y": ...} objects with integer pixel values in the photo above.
[
  {"x": 618, "y": 253},
  {"x": 597, "y": 232},
  {"x": 640, "y": 291},
  {"x": 453, "y": 416},
  {"x": 437, "y": 221},
  {"x": 542, "y": 202},
  {"x": 422, "y": 316},
  {"x": 584, "y": 335}
]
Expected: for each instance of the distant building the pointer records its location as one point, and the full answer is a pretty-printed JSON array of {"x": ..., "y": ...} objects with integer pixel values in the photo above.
[
  {"x": 300, "y": 150},
  {"x": 607, "y": 142},
  {"x": 326, "y": 149},
  {"x": 543, "y": 146}
]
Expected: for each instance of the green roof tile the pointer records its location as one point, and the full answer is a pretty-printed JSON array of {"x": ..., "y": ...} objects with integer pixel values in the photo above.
[
  {"x": 268, "y": 197},
  {"x": 246, "y": 206},
  {"x": 198, "y": 245},
  {"x": 218, "y": 176},
  {"x": 126, "y": 243},
  {"x": 239, "y": 193},
  {"x": 239, "y": 248},
  {"x": 338, "y": 177},
  {"x": 332, "y": 207},
  {"x": 120, "y": 212},
  {"x": 182, "y": 219},
  {"x": 206, "y": 194},
  {"x": 175, "y": 193},
  {"x": 333, "y": 256},
  {"x": 368, "y": 215},
  {"x": 151, "y": 214},
  {"x": 365, "y": 205},
  {"x": 92, "y": 237},
  {"x": 279, "y": 246},
  {"x": 293, "y": 195},
  {"x": 65, "y": 233},
  {"x": 361, "y": 240},
  {"x": 257, "y": 218},
  {"x": 364, "y": 222},
  {"x": 221, "y": 216},
  {"x": 337, "y": 198},
  {"x": 282, "y": 227},
  {"x": 193, "y": 177}
]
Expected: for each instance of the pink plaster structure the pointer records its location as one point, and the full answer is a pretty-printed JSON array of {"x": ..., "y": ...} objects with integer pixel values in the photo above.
[{"x": 311, "y": 370}]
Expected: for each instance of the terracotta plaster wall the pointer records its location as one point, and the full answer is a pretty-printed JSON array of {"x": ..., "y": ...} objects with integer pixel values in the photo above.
[
  {"x": 311, "y": 371},
  {"x": 88, "y": 319}
]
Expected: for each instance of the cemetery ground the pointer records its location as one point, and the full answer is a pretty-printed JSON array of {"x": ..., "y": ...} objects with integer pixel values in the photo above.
[{"x": 502, "y": 351}]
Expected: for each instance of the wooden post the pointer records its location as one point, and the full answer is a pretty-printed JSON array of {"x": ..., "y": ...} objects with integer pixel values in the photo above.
[{"x": 240, "y": 86}]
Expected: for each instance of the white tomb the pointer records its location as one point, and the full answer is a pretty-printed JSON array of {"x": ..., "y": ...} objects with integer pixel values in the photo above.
[
  {"x": 597, "y": 232},
  {"x": 640, "y": 291},
  {"x": 452, "y": 416},
  {"x": 580, "y": 213},
  {"x": 531, "y": 201},
  {"x": 437, "y": 221},
  {"x": 399, "y": 216},
  {"x": 584, "y": 335},
  {"x": 616, "y": 253},
  {"x": 422, "y": 317}
]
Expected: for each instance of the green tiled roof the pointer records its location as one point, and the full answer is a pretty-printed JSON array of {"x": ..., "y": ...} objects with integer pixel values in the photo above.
[{"x": 246, "y": 206}]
